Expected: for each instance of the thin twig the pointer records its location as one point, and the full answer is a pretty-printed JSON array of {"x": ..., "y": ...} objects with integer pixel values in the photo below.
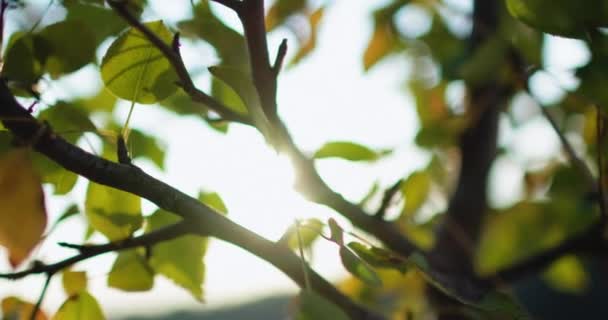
[
  {"x": 278, "y": 61},
  {"x": 86, "y": 252},
  {"x": 576, "y": 161},
  {"x": 38, "y": 304},
  {"x": 198, "y": 217},
  {"x": 387, "y": 199}
]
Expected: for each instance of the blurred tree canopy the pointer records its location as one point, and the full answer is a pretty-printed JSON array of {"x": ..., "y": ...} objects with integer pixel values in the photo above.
[{"x": 449, "y": 252}]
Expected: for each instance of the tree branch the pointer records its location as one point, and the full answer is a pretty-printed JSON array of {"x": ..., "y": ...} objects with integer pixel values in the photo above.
[
  {"x": 89, "y": 251},
  {"x": 178, "y": 64},
  {"x": 387, "y": 198},
  {"x": 198, "y": 217},
  {"x": 308, "y": 180}
]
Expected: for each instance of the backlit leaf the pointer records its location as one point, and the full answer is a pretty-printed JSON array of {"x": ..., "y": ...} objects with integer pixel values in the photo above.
[
  {"x": 181, "y": 259},
  {"x": 359, "y": 268},
  {"x": 131, "y": 272},
  {"x": 213, "y": 200},
  {"x": 310, "y": 229},
  {"x": 384, "y": 39},
  {"x": 241, "y": 84},
  {"x": 50, "y": 172},
  {"x": 74, "y": 282},
  {"x": 336, "y": 232},
  {"x": 23, "y": 216},
  {"x": 346, "y": 150},
  {"x": 281, "y": 10},
  {"x": 308, "y": 46},
  {"x": 81, "y": 306},
  {"x": 134, "y": 69},
  {"x": 382, "y": 43},
  {"x": 415, "y": 190},
  {"x": 114, "y": 213},
  {"x": 379, "y": 258}
]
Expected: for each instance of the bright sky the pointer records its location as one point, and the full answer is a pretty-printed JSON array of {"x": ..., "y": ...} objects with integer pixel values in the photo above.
[{"x": 326, "y": 97}]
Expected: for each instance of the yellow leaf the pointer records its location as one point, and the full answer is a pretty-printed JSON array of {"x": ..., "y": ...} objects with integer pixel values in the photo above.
[
  {"x": 131, "y": 272},
  {"x": 16, "y": 309},
  {"x": 81, "y": 306},
  {"x": 381, "y": 44},
  {"x": 307, "y": 47},
  {"x": 22, "y": 215},
  {"x": 567, "y": 274},
  {"x": 74, "y": 282},
  {"x": 114, "y": 213}
]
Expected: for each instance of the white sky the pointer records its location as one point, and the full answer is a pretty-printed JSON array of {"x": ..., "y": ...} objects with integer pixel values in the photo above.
[{"x": 326, "y": 97}]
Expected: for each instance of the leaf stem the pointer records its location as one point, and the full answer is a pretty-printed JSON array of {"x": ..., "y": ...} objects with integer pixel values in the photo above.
[
  {"x": 125, "y": 129},
  {"x": 36, "y": 309},
  {"x": 307, "y": 285}
]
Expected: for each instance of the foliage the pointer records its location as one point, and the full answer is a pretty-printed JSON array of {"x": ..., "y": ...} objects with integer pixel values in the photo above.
[{"x": 447, "y": 238}]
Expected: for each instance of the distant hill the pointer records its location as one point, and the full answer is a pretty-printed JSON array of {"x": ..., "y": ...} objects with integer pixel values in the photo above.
[{"x": 274, "y": 308}]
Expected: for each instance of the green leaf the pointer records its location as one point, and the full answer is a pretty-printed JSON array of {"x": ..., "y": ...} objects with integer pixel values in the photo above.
[
  {"x": 242, "y": 83},
  {"x": 70, "y": 44},
  {"x": 20, "y": 63},
  {"x": 181, "y": 104},
  {"x": 134, "y": 69},
  {"x": 346, "y": 150},
  {"x": 67, "y": 120},
  {"x": 336, "y": 232},
  {"x": 81, "y": 306},
  {"x": 131, "y": 272},
  {"x": 281, "y": 10},
  {"x": 181, "y": 259},
  {"x": 74, "y": 282},
  {"x": 310, "y": 229},
  {"x": 114, "y": 213},
  {"x": 50, "y": 172},
  {"x": 225, "y": 94},
  {"x": 359, "y": 268},
  {"x": 380, "y": 258},
  {"x": 575, "y": 19},
  {"x": 313, "y": 307},
  {"x": 68, "y": 213},
  {"x": 567, "y": 274},
  {"x": 91, "y": 14},
  {"x": 415, "y": 191},
  {"x": 236, "y": 83},
  {"x": 369, "y": 195},
  {"x": 229, "y": 44},
  {"x": 213, "y": 200},
  {"x": 146, "y": 146},
  {"x": 103, "y": 101}
]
